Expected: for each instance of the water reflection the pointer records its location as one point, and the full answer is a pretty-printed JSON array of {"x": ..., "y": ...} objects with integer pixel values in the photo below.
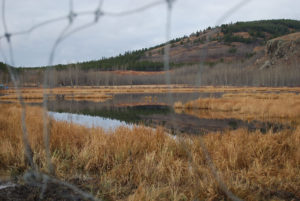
[
  {"x": 88, "y": 121},
  {"x": 150, "y": 109},
  {"x": 150, "y": 115}
]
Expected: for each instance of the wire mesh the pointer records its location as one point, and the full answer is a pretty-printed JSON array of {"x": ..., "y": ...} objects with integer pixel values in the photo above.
[{"x": 34, "y": 176}]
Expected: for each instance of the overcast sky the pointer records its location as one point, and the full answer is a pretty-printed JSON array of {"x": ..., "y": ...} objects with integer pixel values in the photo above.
[{"x": 113, "y": 35}]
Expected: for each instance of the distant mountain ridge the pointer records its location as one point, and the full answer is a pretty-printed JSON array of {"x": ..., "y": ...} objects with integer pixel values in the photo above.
[
  {"x": 226, "y": 43},
  {"x": 256, "y": 53}
]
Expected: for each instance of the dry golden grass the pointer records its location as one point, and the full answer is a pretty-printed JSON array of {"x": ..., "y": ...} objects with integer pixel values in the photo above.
[
  {"x": 145, "y": 89},
  {"x": 25, "y": 96},
  {"x": 95, "y": 97},
  {"x": 178, "y": 104},
  {"x": 250, "y": 106},
  {"x": 146, "y": 164},
  {"x": 36, "y": 95}
]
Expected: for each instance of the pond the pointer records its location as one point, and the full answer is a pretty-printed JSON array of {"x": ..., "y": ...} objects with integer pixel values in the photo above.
[{"x": 149, "y": 109}]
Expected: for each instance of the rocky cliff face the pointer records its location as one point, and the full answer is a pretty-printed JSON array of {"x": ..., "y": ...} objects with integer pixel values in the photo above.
[
  {"x": 281, "y": 51},
  {"x": 284, "y": 46}
]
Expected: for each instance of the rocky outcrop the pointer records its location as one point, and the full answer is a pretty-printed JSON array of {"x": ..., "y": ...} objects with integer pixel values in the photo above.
[{"x": 282, "y": 49}]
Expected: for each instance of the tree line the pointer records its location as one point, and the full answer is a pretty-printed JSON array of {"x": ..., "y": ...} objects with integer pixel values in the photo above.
[{"x": 220, "y": 74}]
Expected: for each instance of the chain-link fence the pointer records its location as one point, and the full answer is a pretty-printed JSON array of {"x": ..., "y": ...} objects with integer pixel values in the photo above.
[{"x": 33, "y": 175}]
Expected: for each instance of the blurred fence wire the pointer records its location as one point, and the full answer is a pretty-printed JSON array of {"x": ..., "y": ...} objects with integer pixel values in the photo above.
[{"x": 34, "y": 176}]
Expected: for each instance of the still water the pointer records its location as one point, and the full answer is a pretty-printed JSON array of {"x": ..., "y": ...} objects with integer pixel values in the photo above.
[
  {"x": 149, "y": 109},
  {"x": 88, "y": 121}
]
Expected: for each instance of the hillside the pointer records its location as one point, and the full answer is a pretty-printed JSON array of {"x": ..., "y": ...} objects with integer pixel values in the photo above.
[
  {"x": 226, "y": 43},
  {"x": 233, "y": 54}
]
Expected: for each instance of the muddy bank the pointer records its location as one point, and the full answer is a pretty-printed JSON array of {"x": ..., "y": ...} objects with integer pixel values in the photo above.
[
  {"x": 184, "y": 123},
  {"x": 20, "y": 192}
]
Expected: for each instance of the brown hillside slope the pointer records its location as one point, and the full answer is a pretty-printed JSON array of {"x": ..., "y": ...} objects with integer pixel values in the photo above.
[{"x": 206, "y": 47}]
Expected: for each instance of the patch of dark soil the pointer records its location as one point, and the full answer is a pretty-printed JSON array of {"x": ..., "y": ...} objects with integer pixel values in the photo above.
[
  {"x": 23, "y": 192},
  {"x": 285, "y": 195}
]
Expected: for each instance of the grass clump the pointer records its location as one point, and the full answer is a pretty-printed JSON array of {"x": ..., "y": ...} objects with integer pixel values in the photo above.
[{"x": 251, "y": 106}]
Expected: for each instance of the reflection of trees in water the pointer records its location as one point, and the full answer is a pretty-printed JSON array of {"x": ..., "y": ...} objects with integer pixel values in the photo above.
[
  {"x": 163, "y": 98},
  {"x": 123, "y": 99},
  {"x": 129, "y": 114},
  {"x": 153, "y": 115}
]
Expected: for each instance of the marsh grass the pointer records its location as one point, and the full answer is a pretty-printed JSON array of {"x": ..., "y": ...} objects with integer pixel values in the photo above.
[
  {"x": 140, "y": 163},
  {"x": 147, "y": 89},
  {"x": 246, "y": 106},
  {"x": 36, "y": 95},
  {"x": 103, "y": 93}
]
